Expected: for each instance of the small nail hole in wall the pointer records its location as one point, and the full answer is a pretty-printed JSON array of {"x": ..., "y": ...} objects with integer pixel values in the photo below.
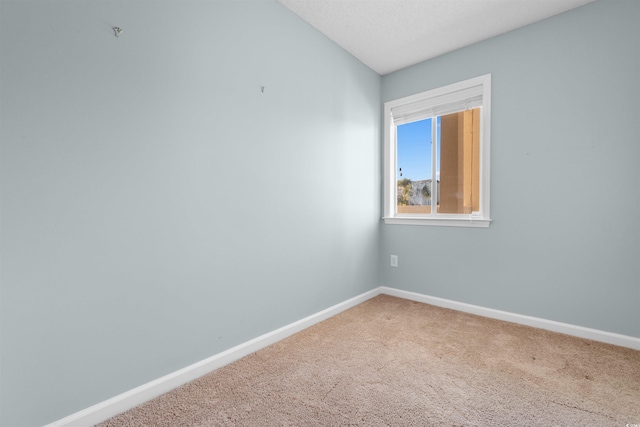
[
  {"x": 117, "y": 31},
  {"x": 262, "y": 89}
]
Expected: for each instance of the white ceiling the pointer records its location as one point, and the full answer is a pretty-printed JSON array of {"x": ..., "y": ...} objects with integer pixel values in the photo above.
[{"x": 388, "y": 35}]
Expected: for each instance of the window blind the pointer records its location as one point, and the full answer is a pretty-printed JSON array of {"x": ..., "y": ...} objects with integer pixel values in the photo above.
[{"x": 461, "y": 100}]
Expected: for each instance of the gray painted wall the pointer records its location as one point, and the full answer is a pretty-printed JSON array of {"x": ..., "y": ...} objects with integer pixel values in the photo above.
[
  {"x": 157, "y": 207},
  {"x": 565, "y": 241}
]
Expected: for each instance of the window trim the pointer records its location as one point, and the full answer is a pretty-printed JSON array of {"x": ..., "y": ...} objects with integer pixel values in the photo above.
[{"x": 420, "y": 105}]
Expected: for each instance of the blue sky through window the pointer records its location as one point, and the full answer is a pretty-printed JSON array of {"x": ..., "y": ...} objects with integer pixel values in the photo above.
[{"x": 414, "y": 150}]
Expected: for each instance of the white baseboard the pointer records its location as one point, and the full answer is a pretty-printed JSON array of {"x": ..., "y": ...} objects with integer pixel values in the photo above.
[
  {"x": 549, "y": 325},
  {"x": 132, "y": 398}
]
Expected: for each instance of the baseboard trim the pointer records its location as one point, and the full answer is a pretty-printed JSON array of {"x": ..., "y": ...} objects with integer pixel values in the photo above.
[
  {"x": 132, "y": 398},
  {"x": 549, "y": 325}
]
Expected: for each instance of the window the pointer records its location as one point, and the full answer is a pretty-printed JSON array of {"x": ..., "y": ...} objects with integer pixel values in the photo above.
[{"x": 436, "y": 156}]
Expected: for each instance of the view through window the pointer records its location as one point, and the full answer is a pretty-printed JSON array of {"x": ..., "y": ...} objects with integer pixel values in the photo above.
[{"x": 453, "y": 163}]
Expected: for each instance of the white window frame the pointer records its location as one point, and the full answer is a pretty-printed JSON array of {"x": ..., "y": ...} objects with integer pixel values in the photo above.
[{"x": 444, "y": 100}]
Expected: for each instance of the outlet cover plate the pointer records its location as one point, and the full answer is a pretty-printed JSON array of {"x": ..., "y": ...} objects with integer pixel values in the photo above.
[{"x": 394, "y": 260}]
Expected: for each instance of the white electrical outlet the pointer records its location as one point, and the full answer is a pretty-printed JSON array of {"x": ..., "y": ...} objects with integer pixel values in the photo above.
[{"x": 394, "y": 260}]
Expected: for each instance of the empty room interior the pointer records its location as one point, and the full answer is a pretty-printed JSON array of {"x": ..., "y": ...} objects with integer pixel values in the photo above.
[{"x": 179, "y": 178}]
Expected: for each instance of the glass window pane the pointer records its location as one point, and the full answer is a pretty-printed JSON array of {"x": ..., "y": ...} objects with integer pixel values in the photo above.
[
  {"x": 459, "y": 162},
  {"x": 413, "y": 175}
]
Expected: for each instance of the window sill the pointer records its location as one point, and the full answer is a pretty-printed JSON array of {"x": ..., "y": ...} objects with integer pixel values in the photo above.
[{"x": 439, "y": 222}]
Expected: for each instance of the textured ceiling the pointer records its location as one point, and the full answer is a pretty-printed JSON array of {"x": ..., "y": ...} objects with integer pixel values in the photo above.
[{"x": 388, "y": 35}]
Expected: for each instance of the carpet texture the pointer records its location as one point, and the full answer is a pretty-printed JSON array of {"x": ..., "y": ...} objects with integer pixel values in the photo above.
[{"x": 395, "y": 362}]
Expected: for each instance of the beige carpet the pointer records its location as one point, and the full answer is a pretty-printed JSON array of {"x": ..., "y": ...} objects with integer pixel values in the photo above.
[{"x": 394, "y": 362}]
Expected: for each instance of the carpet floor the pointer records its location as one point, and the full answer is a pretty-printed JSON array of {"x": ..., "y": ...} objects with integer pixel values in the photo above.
[{"x": 395, "y": 362}]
